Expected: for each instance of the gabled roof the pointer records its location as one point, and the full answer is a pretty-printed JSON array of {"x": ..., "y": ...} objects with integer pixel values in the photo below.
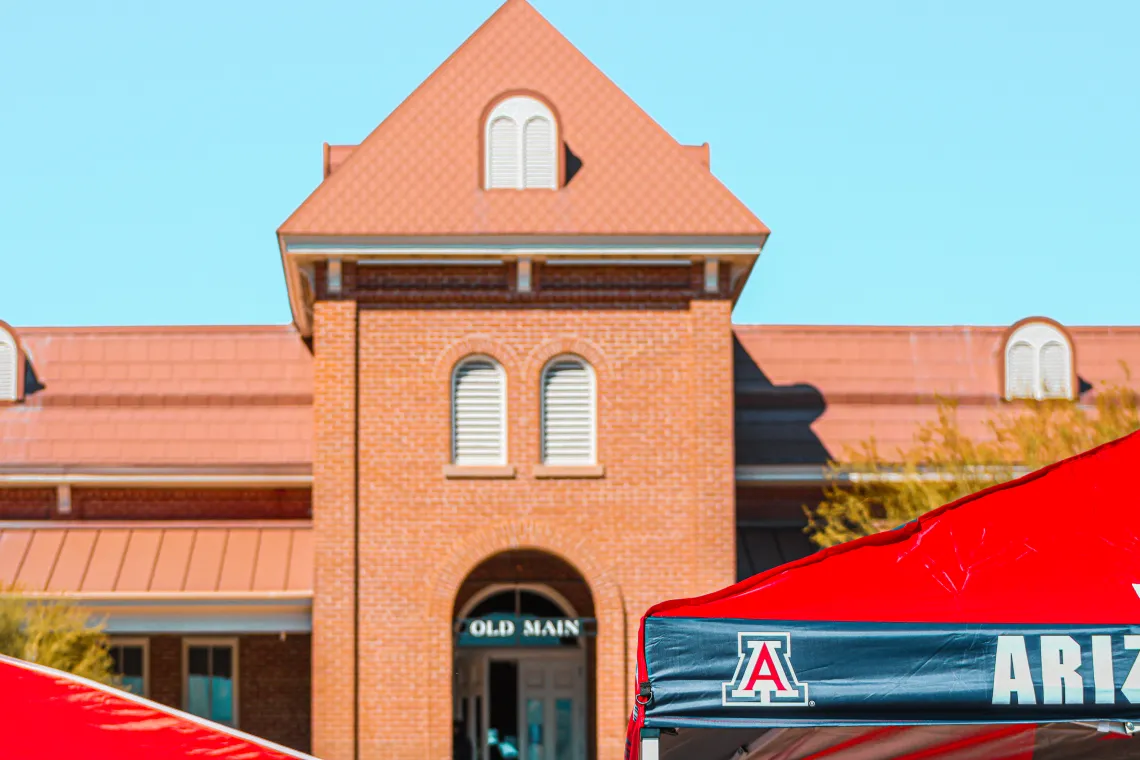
[{"x": 418, "y": 173}]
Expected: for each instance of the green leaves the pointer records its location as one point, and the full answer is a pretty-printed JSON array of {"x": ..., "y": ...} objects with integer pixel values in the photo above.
[
  {"x": 55, "y": 633},
  {"x": 872, "y": 492}
]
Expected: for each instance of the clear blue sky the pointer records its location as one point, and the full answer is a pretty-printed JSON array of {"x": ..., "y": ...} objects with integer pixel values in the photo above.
[{"x": 919, "y": 162}]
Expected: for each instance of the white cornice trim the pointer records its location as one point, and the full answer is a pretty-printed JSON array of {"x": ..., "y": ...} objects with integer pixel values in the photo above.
[
  {"x": 158, "y": 480},
  {"x": 306, "y": 251},
  {"x": 774, "y": 476},
  {"x": 156, "y": 524},
  {"x": 180, "y": 599}
]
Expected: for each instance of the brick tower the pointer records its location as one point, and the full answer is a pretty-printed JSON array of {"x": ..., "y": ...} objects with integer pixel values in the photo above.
[{"x": 518, "y": 290}]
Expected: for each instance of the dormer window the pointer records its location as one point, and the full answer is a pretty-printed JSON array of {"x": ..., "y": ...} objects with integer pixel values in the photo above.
[
  {"x": 9, "y": 365},
  {"x": 1038, "y": 362},
  {"x": 521, "y": 139}
]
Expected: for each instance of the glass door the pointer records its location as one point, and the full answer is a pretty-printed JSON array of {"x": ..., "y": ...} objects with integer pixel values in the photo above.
[{"x": 552, "y": 709}]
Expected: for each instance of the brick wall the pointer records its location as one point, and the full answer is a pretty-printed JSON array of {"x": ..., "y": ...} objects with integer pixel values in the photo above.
[
  {"x": 334, "y": 473},
  {"x": 27, "y": 503},
  {"x": 273, "y": 684},
  {"x": 658, "y": 525},
  {"x": 166, "y": 670},
  {"x": 275, "y": 688},
  {"x": 159, "y": 504},
  {"x": 190, "y": 504}
]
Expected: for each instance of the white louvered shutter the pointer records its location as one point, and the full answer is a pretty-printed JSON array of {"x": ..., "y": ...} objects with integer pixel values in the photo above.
[
  {"x": 539, "y": 156},
  {"x": 568, "y": 414},
  {"x": 8, "y": 364},
  {"x": 1019, "y": 373},
  {"x": 479, "y": 414},
  {"x": 503, "y": 153},
  {"x": 1055, "y": 371}
]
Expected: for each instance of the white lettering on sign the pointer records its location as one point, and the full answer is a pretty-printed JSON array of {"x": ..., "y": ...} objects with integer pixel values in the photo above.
[
  {"x": 1011, "y": 673},
  {"x": 531, "y": 628},
  {"x": 491, "y": 629},
  {"x": 1103, "y": 678},
  {"x": 1060, "y": 658},
  {"x": 1131, "y": 687},
  {"x": 1061, "y": 684},
  {"x": 562, "y": 629}
]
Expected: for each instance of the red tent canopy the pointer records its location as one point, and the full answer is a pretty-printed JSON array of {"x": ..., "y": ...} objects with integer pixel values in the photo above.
[
  {"x": 51, "y": 714},
  {"x": 1016, "y": 605}
]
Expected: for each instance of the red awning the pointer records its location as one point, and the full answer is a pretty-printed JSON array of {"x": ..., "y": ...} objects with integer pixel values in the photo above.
[{"x": 50, "y": 714}]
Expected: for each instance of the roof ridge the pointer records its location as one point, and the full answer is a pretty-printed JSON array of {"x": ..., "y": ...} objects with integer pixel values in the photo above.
[{"x": 348, "y": 162}]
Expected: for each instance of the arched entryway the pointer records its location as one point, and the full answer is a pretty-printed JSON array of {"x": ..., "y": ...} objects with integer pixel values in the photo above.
[{"x": 523, "y": 647}]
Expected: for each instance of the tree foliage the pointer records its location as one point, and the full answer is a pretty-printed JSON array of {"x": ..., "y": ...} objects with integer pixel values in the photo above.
[
  {"x": 55, "y": 633},
  {"x": 870, "y": 492}
]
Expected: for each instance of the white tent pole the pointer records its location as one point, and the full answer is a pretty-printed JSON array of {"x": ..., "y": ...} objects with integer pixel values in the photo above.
[{"x": 650, "y": 744}]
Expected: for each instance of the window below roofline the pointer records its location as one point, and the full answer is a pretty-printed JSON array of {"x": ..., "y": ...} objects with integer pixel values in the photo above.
[
  {"x": 479, "y": 412},
  {"x": 568, "y": 415},
  {"x": 137, "y": 683},
  {"x": 191, "y": 701}
]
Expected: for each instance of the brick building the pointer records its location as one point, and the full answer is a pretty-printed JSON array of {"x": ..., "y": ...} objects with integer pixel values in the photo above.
[{"x": 512, "y": 396}]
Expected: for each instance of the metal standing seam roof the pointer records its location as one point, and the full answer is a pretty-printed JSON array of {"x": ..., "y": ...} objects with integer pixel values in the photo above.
[
  {"x": 163, "y": 397},
  {"x": 263, "y": 559},
  {"x": 884, "y": 381}
]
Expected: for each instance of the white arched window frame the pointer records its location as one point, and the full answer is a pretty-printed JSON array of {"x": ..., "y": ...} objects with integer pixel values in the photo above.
[
  {"x": 569, "y": 414},
  {"x": 478, "y": 412},
  {"x": 9, "y": 366},
  {"x": 1038, "y": 363},
  {"x": 521, "y": 143}
]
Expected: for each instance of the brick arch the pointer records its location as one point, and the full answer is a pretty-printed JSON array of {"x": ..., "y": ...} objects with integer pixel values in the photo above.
[
  {"x": 612, "y": 696},
  {"x": 528, "y": 534},
  {"x": 469, "y": 345},
  {"x": 567, "y": 344}
]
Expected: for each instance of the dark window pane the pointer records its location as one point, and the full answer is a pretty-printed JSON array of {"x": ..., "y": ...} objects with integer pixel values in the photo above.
[
  {"x": 223, "y": 662},
  {"x": 504, "y": 601},
  {"x": 539, "y": 605},
  {"x": 199, "y": 661},
  {"x": 132, "y": 661},
  {"x": 116, "y": 660}
]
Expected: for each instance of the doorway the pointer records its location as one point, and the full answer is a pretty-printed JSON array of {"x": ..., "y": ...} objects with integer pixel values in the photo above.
[
  {"x": 516, "y": 696},
  {"x": 524, "y": 705}
]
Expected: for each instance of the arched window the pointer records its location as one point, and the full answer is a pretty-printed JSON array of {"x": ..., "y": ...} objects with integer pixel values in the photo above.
[
  {"x": 478, "y": 413},
  {"x": 569, "y": 415},
  {"x": 9, "y": 366},
  {"x": 1038, "y": 362},
  {"x": 521, "y": 143}
]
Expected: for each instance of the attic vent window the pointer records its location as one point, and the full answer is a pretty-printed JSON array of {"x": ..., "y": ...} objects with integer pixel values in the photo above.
[
  {"x": 521, "y": 139},
  {"x": 1038, "y": 362}
]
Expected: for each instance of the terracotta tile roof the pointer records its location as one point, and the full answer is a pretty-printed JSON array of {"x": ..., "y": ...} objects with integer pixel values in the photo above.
[
  {"x": 818, "y": 390},
  {"x": 164, "y": 396},
  {"x": 102, "y": 559},
  {"x": 418, "y": 173}
]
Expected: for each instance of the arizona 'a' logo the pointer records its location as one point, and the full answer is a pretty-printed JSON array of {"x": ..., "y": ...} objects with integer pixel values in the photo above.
[{"x": 764, "y": 674}]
